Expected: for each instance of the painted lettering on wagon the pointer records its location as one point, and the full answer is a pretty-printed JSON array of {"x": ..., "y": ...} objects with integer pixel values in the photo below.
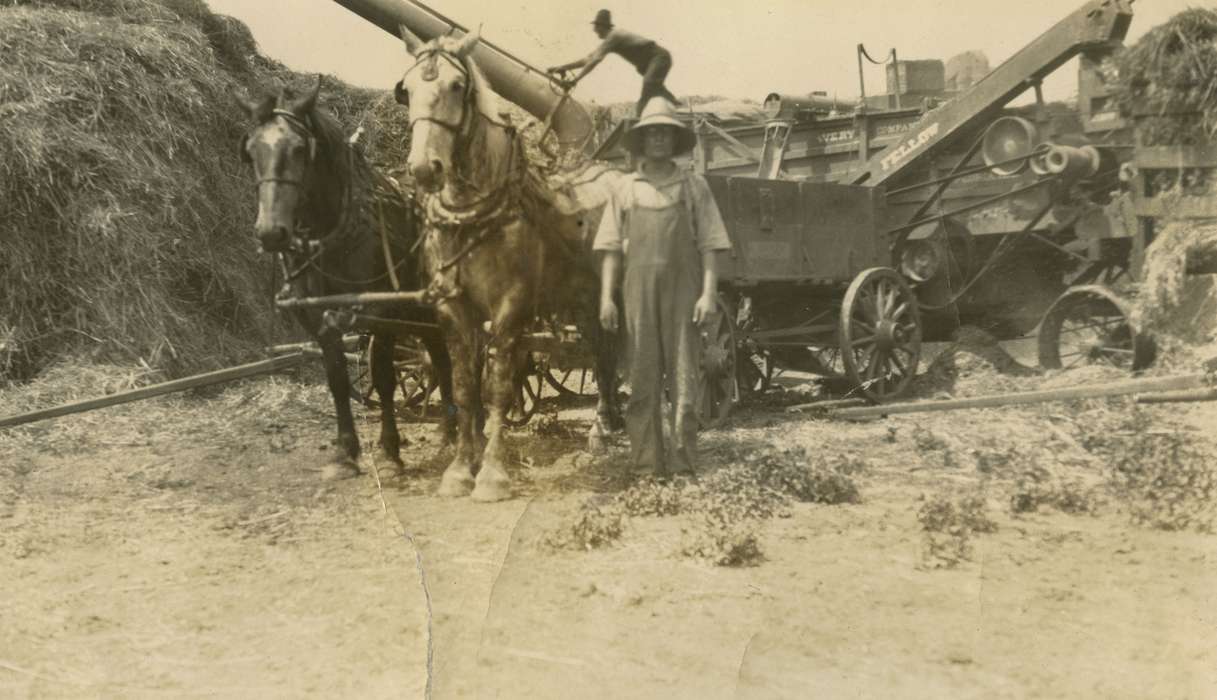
[{"x": 905, "y": 149}]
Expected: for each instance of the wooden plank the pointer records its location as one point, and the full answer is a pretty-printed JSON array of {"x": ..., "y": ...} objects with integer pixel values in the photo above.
[
  {"x": 340, "y": 300},
  {"x": 1129, "y": 386},
  {"x": 274, "y": 364},
  {"x": 825, "y": 405},
  {"x": 1184, "y": 396}
]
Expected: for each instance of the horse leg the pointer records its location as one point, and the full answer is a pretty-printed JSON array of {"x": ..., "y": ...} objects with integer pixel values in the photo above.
[
  {"x": 384, "y": 379},
  {"x": 459, "y": 332},
  {"x": 346, "y": 460},
  {"x": 441, "y": 362},
  {"x": 505, "y": 357}
]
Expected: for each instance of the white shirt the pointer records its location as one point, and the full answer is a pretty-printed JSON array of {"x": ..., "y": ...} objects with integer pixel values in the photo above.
[{"x": 637, "y": 190}]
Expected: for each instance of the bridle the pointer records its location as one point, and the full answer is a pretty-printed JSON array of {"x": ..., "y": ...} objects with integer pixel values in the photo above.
[
  {"x": 311, "y": 248},
  {"x": 302, "y": 129},
  {"x": 427, "y": 59}
]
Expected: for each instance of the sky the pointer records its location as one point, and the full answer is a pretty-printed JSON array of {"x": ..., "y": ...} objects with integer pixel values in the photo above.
[{"x": 733, "y": 48}]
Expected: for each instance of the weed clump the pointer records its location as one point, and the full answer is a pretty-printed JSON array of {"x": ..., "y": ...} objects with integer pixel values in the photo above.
[
  {"x": 1036, "y": 485},
  {"x": 725, "y": 507},
  {"x": 724, "y": 540},
  {"x": 948, "y": 523},
  {"x": 1167, "y": 480},
  {"x": 598, "y": 525}
]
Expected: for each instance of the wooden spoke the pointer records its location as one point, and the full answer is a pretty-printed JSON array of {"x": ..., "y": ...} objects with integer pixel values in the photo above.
[{"x": 880, "y": 333}]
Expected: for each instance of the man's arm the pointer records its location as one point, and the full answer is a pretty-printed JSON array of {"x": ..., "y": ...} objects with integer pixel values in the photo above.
[
  {"x": 711, "y": 238},
  {"x": 609, "y": 267},
  {"x": 587, "y": 63},
  {"x": 707, "y": 303}
]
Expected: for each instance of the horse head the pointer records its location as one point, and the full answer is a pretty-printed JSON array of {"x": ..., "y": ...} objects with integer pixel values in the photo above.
[
  {"x": 282, "y": 148},
  {"x": 441, "y": 89}
]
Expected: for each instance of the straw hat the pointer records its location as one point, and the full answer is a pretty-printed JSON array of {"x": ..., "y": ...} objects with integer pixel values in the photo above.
[{"x": 660, "y": 111}]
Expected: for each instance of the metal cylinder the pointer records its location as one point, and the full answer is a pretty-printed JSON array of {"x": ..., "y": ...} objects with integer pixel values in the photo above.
[
  {"x": 797, "y": 107},
  {"x": 511, "y": 77},
  {"x": 1071, "y": 162}
]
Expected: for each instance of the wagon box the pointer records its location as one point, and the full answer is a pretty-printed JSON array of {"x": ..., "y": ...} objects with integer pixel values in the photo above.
[{"x": 799, "y": 231}]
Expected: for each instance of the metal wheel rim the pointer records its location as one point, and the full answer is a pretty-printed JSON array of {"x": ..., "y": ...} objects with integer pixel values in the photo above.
[
  {"x": 880, "y": 334},
  {"x": 1092, "y": 326}
]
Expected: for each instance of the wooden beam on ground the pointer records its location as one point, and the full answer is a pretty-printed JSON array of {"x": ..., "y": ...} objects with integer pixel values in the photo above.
[
  {"x": 1184, "y": 396},
  {"x": 274, "y": 364},
  {"x": 1097, "y": 391},
  {"x": 826, "y": 405},
  {"x": 340, "y": 300}
]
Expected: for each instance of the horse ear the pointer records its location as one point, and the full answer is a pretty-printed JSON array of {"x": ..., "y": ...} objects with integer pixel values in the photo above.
[
  {"x": 468, "y": 42},
  {"x": 258, "y": 110},
  {"x": 412, "y": 41},
  {"x": 401, "y": 94},
  {"x": 305, "y": 104}
]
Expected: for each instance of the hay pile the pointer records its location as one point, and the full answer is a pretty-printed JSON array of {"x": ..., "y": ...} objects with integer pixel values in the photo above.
[
  {"x": 125, "y": 214},
  {"x": 1166, "y": 289},
  {"x": 1169, "y": 80}
]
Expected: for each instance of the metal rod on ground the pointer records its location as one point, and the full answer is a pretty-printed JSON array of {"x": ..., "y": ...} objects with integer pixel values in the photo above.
[
  {"x": 199, "y": 380},
  {"x": 339, "y": 300},
  {"x": 1129, "y": 386},
  {"x": 825, "y": 405},
  {"x": 349, "y": 342},
  {"x": 1184, "y": 396}
]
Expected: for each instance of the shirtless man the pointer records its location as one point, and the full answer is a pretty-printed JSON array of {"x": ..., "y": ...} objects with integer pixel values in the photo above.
[{"x": 650, "y": 59}]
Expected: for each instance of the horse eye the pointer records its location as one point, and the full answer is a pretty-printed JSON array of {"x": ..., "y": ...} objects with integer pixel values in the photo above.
[{"x": 457, "y": 87}]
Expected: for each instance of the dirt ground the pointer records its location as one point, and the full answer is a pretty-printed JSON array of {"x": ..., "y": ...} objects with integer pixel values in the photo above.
[{"x": 187, "y": 546}]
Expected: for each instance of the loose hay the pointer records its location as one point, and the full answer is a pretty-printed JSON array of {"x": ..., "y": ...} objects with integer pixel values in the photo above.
[
  {"x": 123, "y": 209},
  {"x": 1171, "y": 72},
  {"x": 125, "y": 212},
  {"x": 1167, "y": 289}
]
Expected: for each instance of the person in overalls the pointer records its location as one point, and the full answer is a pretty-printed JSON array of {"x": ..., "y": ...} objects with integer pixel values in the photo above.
[
  {"x": 662, "y": 222},
  {"x": 651, "y": 60}
]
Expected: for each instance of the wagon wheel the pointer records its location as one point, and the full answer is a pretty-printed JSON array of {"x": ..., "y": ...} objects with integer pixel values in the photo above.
[
  {"x": 1090, "y": 325},
  {"x": 575, "y": 381},
  {"x": 531, "y": 384},
  {"x": 415, "y": 375},
  {"x": 880, "y": 333},
  {"x": 718, "y": 387}
]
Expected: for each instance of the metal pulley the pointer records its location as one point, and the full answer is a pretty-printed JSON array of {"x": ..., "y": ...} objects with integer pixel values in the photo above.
[{"x": 1007, "y": 143}]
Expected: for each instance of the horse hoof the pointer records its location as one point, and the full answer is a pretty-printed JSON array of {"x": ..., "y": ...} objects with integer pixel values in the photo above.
[
  {"x": 488, "y": 491},
  {"x": 394, "y": 460},
  {"x": 339, "y": 471},
  {"x": 455, "y": 486}
]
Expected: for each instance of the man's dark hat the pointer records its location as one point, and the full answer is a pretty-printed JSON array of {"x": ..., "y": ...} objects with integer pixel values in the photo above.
[{"x": 604, "y": 17}]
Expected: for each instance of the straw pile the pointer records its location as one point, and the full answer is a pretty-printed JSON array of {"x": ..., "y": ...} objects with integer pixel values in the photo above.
[
  {"x": 125, "y": 214},
  {"x": 1169, "y": 80}
]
